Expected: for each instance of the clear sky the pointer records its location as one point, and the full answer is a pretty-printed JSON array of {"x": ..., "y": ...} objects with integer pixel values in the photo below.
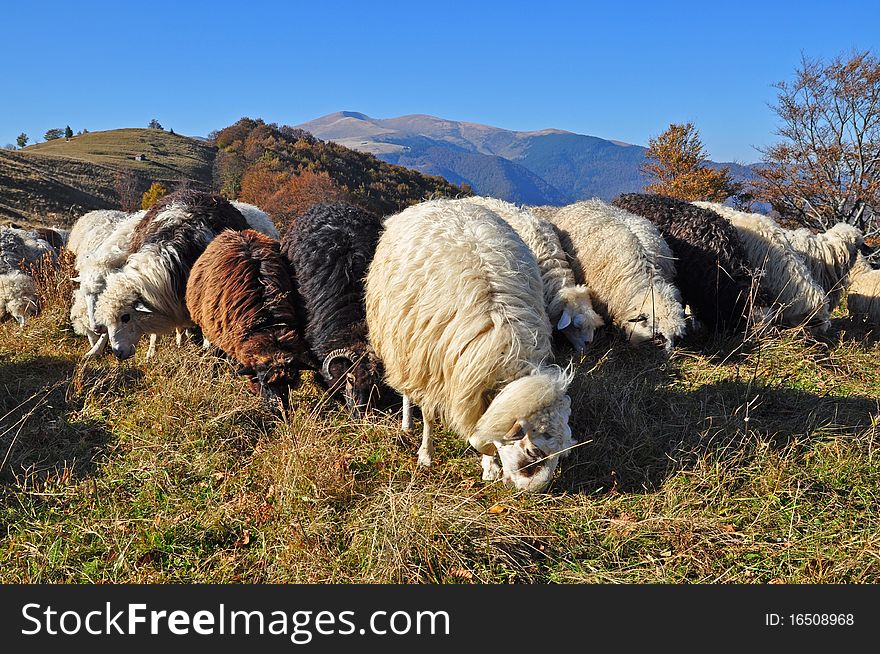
[{"x": 615, "y": 69}]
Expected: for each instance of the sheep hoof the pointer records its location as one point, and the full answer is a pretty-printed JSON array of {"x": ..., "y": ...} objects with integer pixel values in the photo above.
[
  {"x": 491, "y": 470},
  {"x": 425, "y": 458}
]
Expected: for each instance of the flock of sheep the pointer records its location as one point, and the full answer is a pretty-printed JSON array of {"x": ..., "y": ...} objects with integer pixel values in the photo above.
[{"x": 453, "y": 304}]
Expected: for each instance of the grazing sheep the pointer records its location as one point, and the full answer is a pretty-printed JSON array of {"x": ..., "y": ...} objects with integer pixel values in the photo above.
[
  {"x": 147, "y": 295},
  {"x": 94, "y": 266},
  {"x": 829, "y": 255},
  {"x": 784, "y": 277},
  {"x": 712, "y": 270},
  {"x": 241, "y": 293},
  {"x": 455, "y": 310},
  {"x": 329, "y": 249},
  {"x": 863, "y": 297},
  {"x": 18, "y": 292},
  {"x": 569, "y": 306},
  {"x": 257, "y": 219},
  {"x": 626, "y": 264}
]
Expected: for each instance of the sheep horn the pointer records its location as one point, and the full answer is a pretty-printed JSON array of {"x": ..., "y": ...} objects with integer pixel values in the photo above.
[
  {"x": 519, "y": 430},
  {"x": 341, "y": 353}
]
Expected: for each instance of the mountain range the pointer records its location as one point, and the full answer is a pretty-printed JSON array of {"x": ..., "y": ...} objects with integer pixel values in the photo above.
[{"x": 549, "y": 166}]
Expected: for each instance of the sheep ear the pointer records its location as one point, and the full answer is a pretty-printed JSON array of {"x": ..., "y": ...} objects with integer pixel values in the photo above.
[
  {"x": 76, "y": 279},
  {"x": 518, "y": 431},
  {"x": 143, "y": 308},
  {"x": 564, "y": 320}
]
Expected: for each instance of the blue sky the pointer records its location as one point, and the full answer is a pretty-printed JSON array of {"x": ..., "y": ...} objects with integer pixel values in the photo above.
[{"x": 619, "y": 70}]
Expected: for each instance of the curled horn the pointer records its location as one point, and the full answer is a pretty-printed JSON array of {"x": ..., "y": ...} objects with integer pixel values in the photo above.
[
  {"x": 343, "y": 353},
  {"x": 519, "y": 430}
]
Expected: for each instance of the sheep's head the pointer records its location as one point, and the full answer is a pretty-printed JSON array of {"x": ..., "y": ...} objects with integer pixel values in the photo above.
[
  {"x": 578, "y": 321},
  {"x": 273, "y": 376},
  {"x": 527, "y": 426},
  {"x": 357, "y": 372},
  {"x": 22, "y": 308},
  {"x": 660, "y": 318},
  {"x": 120, "y": 313}
]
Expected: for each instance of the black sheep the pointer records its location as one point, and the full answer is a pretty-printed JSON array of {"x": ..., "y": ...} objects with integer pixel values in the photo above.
[
  {"x": 712, "y": 271},
  {"x": 329, "y": 249}
]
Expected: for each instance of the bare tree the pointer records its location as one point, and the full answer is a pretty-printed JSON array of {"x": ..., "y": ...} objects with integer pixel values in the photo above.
[
  {"x": 826, "y": 169},
  {"x": 125, "y": 184}
]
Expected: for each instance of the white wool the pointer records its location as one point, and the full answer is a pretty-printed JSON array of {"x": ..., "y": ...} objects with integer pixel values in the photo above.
[
  {"x": 18, "y": 296},
  {"x": 90, "y": 230},
  {"x": 562, "y": 295},
  {"x": 863, "y": 297},
  {"x": 455, "y": 310},
  {"x": 784, "y": 277},
  {"x": 829, "y": 256},
  {"x": 626, "y": 266},
  {"x": 257, "y": 219}
]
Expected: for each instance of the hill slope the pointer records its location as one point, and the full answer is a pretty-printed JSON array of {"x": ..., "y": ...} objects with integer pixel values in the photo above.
[
  {"x": 58, "y": 180},
  {"x": 549, "y": 166}
]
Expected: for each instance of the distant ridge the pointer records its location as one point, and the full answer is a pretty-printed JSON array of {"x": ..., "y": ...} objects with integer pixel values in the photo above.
[{"x": 548, "y": 166}]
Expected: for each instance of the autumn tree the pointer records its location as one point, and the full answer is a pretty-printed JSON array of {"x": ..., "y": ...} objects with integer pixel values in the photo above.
[
  {"x": 826, "y": 168},
  {"x": 152, "y": 195},
  {"x": 676, "y": 160},
  {"x": 22, "y": 140},
  {"x": 285, "y": 196}
]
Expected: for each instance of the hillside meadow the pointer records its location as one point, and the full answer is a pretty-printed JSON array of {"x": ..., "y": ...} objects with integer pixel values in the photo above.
[{"x": 747, "y": 460}]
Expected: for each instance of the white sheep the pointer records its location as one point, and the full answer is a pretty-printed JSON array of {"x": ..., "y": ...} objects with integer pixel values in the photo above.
[
  {"x": 784, "y": 278},
  {"x": 569, "y": 306},
  {"x": 863, "y": 297},
  {"x": 18, "y": 291},
  {"x": 628, "y": 267},
  {"x": 455, "y": 310},
  {"x": 829, "y": 256}
]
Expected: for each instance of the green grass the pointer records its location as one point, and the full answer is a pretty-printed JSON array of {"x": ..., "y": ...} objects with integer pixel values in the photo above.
[{"x": 731, "y": 462}]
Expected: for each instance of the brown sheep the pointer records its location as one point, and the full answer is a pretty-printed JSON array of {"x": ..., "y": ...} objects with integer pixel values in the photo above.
[{"x": 240, "y": 292}]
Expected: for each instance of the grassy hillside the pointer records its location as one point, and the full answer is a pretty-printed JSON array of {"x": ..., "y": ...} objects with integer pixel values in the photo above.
[
  {"x": 57, "y": 181},
  {"x": 733, "y": 461}
]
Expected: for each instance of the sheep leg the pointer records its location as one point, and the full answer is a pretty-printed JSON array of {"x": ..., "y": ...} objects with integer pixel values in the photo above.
[
  {"x": 491, "y": 470},
  {"x": 407, "y": 422},
  {"x": 151, "y": 351},
  {"x": 97, "y": 347},
  {"x": 93, "y": 338},
  {"x": 178, "y": 337},
  {"x": 426, "y": 451},
  {"x": 206, "y": 344}
]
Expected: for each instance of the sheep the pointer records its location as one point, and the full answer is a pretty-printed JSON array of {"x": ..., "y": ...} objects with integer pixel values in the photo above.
[
  {"x": 863, "y": 297},
  {"x": 147, "y": 295},
  {"x": 712, "y": 270},
  {"x": 94, "y": 267},
  {"x": 784, "y": 277},
  {"x": 241, "y": 293},
  {"x": 257, "y": 219},
  {"x": 329, "y": 248},
  {"x": 18, "y": 291},
  {"x": 455, "y": 311},
  {"x": 569, "y": 306},
  {"x": 829, "y": 255},
  {"x": 627, "y": 266}
]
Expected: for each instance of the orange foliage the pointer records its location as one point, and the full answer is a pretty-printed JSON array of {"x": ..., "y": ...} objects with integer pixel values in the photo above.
[
  {"x": 676, "y": 161},
  {"x": 285, "y": 196}
]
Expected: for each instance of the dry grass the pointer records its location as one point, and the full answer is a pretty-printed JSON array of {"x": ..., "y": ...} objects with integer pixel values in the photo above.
[{"x": 734, "y": 461}]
